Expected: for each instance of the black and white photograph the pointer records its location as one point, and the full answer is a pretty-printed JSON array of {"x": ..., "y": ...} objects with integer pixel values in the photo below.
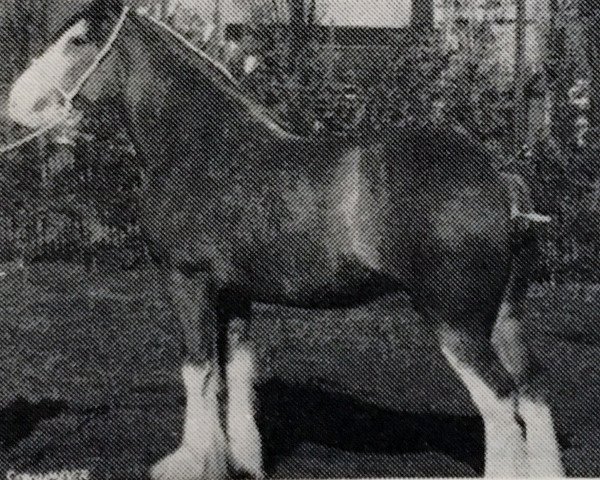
[{"x": 299, "y": 239}]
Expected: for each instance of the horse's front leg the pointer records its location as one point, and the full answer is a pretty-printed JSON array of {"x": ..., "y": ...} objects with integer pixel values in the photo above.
[
  {"x": 203, "y": 451},
  {"x": 237, "y": 352}
]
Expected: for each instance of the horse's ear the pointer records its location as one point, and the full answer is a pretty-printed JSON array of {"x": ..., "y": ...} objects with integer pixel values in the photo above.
[{"x": 101, "y": 15}]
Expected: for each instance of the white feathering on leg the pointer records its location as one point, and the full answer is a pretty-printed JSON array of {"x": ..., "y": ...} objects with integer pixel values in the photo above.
[
  {"x": 245, "y": 445},
  {"x": 202, "y": 453},
  {"x": 542, "y": 446},
  {"x": 505, "y": 450}
]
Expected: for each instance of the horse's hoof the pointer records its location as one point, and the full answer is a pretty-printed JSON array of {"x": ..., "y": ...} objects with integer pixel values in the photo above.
[
  {"x": 188, "y": 463},
  {"x": 243, "y": 475},
  {"x": 247, "y": 464},
  {"x": 245, "y": 448}
]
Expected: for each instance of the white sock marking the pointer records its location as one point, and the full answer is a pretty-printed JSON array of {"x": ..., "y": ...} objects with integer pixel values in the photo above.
[
  {"x": 245, "y": 445},
  {"x": 201, "y": 454},
  {"x": 505, "y": 452},
  {"x": 542, "y": 445}
]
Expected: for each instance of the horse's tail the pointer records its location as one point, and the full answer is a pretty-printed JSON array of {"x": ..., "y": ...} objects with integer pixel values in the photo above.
[
  {"x": 509, "y": 340},
  {"x": 512, "y": 344},
  {"x": 525, "y": 235}
]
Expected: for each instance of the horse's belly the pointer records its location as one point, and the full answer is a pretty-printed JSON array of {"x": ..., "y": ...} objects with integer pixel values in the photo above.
[{"x": 325, "y": 283}]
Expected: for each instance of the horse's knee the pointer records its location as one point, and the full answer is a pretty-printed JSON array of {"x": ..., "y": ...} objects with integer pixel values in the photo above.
[
  {"x": 475, "y": 354},
  {"x": 193, "y": 297}
]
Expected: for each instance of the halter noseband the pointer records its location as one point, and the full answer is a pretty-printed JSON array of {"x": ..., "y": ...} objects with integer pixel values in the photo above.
[{"x": 69, "y": 96}]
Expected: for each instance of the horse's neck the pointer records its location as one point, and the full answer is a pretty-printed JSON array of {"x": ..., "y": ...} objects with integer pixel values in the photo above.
[
  {"x": 179, "y": 113},
  {"x": 170, "y": 119},
  {"x": 171, "y": 123}
]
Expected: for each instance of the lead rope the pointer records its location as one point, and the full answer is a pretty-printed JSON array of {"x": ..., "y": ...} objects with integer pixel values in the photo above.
[
  {"x": 142, "y": 12},
  {"x": 69, "y": 96}
]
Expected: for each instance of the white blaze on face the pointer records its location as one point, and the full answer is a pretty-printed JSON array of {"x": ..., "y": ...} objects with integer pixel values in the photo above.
[{"x": 35, "y": 98}]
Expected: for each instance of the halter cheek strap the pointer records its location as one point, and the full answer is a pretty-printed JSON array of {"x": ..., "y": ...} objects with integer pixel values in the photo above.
[
  {"x": 101, "y": 54},
  {"x": 65, "y": 97},
  {"x": 70, "y": 95}
]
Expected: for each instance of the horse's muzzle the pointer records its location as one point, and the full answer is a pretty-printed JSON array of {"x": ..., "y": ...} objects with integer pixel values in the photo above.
[{"x": 35, "y": 111}]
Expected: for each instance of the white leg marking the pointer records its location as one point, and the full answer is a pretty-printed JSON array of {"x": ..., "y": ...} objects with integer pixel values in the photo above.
[
  {"x": 505, "y": 454},
  {"x": 202, "y": 453},
  {"x": 245, "y": 445},
  {"x": 542, "y": 446}
]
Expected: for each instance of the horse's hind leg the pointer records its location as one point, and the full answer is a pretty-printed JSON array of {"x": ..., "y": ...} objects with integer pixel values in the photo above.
[
  {"x": 202, "y": 452},
  {"x": 543, "y": 451},
  {"x": 237, "y": 351},
  {"x": 471, "y": 355}
]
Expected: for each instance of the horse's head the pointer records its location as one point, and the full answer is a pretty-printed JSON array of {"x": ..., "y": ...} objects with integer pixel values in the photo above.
[{"x": 41, "y": 93}]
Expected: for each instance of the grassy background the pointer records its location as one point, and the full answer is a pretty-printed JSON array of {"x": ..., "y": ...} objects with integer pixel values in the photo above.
[{"x": 89, "y": 369}]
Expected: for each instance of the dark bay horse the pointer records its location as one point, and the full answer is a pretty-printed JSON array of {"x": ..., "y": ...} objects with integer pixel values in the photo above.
[{"x": 238, "y": 210}]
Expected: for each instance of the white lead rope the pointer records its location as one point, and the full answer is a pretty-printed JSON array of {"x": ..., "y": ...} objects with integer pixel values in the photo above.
[
  {"x": 69, "y": 96},
  {"x": 32, "y": 136},
  {"x": 142, "y": 12}
]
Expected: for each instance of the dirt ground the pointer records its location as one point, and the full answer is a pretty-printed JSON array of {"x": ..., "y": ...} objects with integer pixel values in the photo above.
[{"x": 89, "y": 380}]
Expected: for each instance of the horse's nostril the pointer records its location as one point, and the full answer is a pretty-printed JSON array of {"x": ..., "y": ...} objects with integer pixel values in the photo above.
[
  {"x": 41, "y": 104},
  {"x": 54, "y": 97}
]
